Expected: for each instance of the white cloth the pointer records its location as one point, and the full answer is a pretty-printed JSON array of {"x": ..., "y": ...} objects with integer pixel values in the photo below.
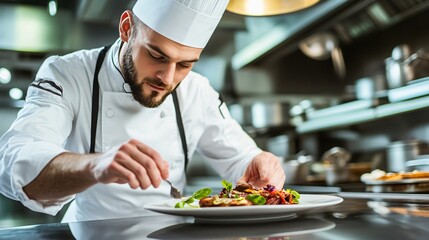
[
  {"x": 188, "y": 22},
  {"x": 57, "y": 115}
]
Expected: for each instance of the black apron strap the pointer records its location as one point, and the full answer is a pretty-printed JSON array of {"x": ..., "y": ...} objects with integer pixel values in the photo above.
[
  {"x": 95, "y": 98},
  {"x": 181, "y": 128},
  {"x": 95, "y": 106}
]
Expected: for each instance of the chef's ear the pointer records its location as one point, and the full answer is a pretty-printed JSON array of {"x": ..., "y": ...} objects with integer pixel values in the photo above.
[{"x": 125, "y": 26}]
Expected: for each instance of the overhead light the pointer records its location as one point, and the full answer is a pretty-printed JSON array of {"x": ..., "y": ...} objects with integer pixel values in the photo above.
[
  {"x": 268, "y": 7},
  {"x": 52, "y": 7},
  {"x": 16, "y": 93},
  {"x": 5, "y": 76}
]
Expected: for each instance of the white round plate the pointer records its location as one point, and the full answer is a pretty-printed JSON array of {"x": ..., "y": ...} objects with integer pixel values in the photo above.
[{"x": 256, "y": 213}]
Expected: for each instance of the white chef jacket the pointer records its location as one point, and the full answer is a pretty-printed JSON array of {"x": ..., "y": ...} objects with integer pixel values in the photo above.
[{"x": 56, "y": 118}]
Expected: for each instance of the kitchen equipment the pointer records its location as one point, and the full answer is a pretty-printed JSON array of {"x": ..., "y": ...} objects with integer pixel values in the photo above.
[
  {"x": 281, "y": 145},
  {"x": 298, "y": 113},
  {"x": 400, "y": 186},
  {"x": 268, "y": 8},
  {"x": 398, "y": 73},
  {"x": 323, "y": 46},
  {"x": 415, "y": 88},
  {"x": 339, "y": 170},
  {"x": 261, "y": 114},
  {"x": 266, "y": 114},
  {"x": 370, "y": 87},
  {"x": 404, "y": 66},
  {"x": 347, "y": 107},
  {"x": 174, "y": 192},
  {"x": 399, "y": 152},
  {"x": 403, "y": 182},
  {"x": 420, "y": 164},
  {"x": 348, "y": 174},
  {"x": 296, "y": 170},
  {"x": 336, "y": 157}
]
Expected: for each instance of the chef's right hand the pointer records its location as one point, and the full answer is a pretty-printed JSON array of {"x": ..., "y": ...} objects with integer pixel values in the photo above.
[{"x": 132, "y": 162}]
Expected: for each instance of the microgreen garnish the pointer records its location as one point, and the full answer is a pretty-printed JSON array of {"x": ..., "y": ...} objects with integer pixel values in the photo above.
[
  {"x": 256, "y": 199},
  {"x": 270, "y": 188},
  {"x": 295, "y": 195},
  {"x": 204, "y": 192},
  {"x": 228, "y": 186}
]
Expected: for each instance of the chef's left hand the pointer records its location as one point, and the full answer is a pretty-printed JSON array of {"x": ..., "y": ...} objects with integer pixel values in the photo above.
[{"x": 264, "y": 169}]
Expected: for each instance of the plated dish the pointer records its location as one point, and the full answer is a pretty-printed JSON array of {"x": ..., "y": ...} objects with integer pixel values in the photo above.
[
  {"x": 244, "y": 214},
  {"x": 403, "y": 182}
]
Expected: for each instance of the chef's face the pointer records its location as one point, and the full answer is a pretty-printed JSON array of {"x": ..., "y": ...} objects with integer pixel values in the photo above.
[{"x": 153, "y": 65}]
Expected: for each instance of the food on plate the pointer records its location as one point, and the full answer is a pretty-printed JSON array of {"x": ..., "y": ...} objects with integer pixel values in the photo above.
[
  {"x": 372, "y": 176},
  {"x": 242, "y": 195},
  {"x": 217, "y": 201},
  {"x": 403, "y": 175},
  {"x": 247, "y": 195},
  {"x": 204, "y": 192},
  {"x": 379, "y": 175}
]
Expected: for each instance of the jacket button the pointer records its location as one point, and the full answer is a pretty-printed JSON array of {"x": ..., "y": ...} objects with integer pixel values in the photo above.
[
  {"x": 110, "y": 113},
  {"x": 163, "y": 114}
]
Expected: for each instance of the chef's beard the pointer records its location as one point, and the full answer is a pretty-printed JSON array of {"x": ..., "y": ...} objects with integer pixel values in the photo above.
[{"x": 130, "y": 75}]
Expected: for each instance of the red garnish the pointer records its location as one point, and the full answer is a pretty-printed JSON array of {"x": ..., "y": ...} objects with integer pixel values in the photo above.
[{"x": 281, "y": 196}]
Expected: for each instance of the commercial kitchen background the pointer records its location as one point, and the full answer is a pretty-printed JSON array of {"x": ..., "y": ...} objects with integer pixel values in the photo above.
[{"x": 274, "y": 89}]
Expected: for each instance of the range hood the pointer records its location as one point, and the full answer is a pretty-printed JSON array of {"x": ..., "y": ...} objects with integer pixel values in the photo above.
[
  {"x": 265, "y": 34},
  {"x": 377, "y": 15},
  {"x": 349, "y": 20}
]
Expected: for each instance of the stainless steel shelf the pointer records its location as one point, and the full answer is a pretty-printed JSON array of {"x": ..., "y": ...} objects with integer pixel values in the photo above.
[
  {"x": 339, "y": 120},
  {"x": 356, "y": 117},
  {"x": 402, "y": 107}
]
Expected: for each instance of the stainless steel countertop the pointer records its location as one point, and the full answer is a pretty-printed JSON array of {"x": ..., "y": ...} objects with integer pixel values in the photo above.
[{"x": 355, "y": 218}]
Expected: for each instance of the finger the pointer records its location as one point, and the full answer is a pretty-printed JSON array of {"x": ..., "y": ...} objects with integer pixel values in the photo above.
[
  {"x": 146, "y": 149},
  {"x": 263, "y": 171},
  {"x": 136, "y": 168},
  {"x": 139, "y": 160},
  {"x": 161, "y": 164},
  {"x": 124, "y": 175},
  {"x": 273, "y": 173},
  {"x": 121, "y": 181},
  {"x": 243, "y": 180},
  {"x": 278, "y": 180}
]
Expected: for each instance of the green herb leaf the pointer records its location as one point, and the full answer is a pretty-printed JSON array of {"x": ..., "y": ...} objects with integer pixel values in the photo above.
[
  {"x": 202, "y": 193},
  {"x": 227, "y": 185},
  {"x": 256, "y": 199},
  {"x": 295, "y": 195},
  {"x": 189, "y": 200},
  {"x": 180, "y": 204}
]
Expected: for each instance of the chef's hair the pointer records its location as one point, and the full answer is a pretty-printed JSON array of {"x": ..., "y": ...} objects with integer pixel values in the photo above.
[{"x": 136, "y": 24}]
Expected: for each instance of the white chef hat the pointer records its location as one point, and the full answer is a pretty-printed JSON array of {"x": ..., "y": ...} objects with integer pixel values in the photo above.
[{"x": 188, "y": 22}]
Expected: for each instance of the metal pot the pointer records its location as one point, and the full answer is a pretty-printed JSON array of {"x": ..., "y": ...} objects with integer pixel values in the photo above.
[
  {"x": 370, "y": 87},
  {"x": 404, "y": 66},
  {"x": 351, "y": 172},
  {"x": 322, "y": 46},
  {"x": 269, "y": 114},
  {"x": 296, "y": 170},
  {"x": 261, "y": 114},
  {"x": 399, "y": 152}
]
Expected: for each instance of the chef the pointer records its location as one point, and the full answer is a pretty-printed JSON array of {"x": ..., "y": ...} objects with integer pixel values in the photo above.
[{"x": 104, "y": 127}]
